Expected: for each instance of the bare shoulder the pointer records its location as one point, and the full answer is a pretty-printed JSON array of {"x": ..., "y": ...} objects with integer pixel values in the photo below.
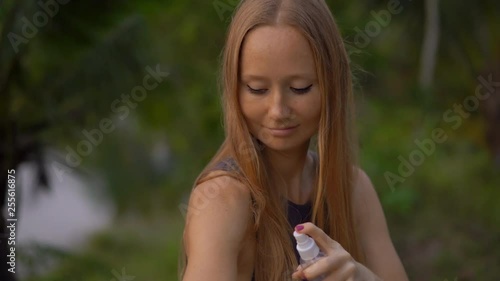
[
  {"x": 372, "y": 230},
  {"x": 217, "y": 221},
  {"x": 219, "y": 192},
  {"x": 364, "y": 197},
  {"x": 368, "y": 212},
  {"x": 218, "y": 203},
  {"x": 361, "y": 179}
]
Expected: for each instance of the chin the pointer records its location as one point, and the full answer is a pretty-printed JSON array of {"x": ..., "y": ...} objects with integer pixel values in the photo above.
[{"x": 283, "y": 144}]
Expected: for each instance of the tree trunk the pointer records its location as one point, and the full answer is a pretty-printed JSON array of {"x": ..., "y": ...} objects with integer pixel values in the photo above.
[{"x": 430, "y": 43}]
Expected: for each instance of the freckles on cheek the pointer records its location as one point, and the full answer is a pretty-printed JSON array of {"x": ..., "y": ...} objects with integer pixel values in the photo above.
[
  {"x": 246, "y": 116},
  {"x": 252, "y": 122},
  {"x": 248, "y": 109}
]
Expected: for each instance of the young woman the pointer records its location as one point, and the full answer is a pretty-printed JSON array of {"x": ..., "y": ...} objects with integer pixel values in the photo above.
[{"x": 288, "y": 159}]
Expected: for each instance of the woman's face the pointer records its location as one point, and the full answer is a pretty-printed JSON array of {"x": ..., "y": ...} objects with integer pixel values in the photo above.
[{"x": 278, "y": 87}]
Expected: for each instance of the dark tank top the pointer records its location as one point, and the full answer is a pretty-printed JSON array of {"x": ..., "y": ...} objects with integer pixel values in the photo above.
[{"x": 296, "y": 213}]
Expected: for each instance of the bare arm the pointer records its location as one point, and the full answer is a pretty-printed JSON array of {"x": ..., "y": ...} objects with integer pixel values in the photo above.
[
  {"x": 371, "y": 226},
  {"x": 214, "y": 234}
]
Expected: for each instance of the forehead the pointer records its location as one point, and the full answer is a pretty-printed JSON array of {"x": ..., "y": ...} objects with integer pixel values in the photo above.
[{"x": 276, "y": 52}]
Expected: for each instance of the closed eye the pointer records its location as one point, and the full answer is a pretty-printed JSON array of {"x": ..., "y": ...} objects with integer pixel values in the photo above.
[
  {"x": 295, "y": 90},
  {"x": 302, "y": 90},
  {"x": 256, "y": 91}
]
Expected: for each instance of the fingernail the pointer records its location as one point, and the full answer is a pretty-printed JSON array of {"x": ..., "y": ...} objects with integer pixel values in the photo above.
[{"x": 299, "y": 227}]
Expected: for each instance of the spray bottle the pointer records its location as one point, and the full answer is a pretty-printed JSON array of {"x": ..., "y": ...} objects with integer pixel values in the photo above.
[{"x": 308, "y": 250}]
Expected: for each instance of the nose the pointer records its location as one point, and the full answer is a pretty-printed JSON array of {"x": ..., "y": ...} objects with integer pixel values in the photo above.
[{"x": 279, "y": 107}]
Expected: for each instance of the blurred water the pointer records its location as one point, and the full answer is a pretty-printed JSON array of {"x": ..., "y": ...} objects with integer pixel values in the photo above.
[{"x": 65, "y": 216}]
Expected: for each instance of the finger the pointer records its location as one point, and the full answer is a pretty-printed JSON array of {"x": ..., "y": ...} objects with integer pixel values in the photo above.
[
  {"x": 323, "y": 267},
  {"x": 326, "y": 244},
  {"x": 297, "y": 274},
  {"x": 328, "y": 266},
  {"x": 346, "y": 272}
]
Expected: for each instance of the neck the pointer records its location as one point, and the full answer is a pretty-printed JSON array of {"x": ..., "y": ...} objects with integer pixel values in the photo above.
[{"x": 293, "y": 169}]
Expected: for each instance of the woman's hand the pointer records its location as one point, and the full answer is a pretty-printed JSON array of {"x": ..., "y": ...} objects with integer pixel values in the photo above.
[{"x": 337, "y": 265}]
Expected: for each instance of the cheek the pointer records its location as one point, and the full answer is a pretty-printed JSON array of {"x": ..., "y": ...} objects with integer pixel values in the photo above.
[
  {"x": 312, "y": 111},
  {"x": 313, "y": 120},
  {"x": 250, "y": 110},
  {"x": 245, "y": 108},
  {"x": 312, "y": 115}
]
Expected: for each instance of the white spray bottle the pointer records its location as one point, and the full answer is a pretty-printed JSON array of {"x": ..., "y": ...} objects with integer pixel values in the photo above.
[{"x": 308, "y": 250}]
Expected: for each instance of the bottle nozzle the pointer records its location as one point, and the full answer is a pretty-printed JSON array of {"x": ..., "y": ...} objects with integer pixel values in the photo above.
[
  {"x": 306, "y": 246},
  {"x": 301, "y": 238}
]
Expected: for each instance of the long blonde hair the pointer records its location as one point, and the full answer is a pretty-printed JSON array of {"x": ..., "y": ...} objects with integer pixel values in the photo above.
[{"x": 331, "y": 198}]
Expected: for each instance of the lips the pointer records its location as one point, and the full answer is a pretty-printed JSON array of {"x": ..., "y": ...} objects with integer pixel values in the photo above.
[
  {"x": 283, "y": 132},
  {"x": 286, "y": 128}
]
